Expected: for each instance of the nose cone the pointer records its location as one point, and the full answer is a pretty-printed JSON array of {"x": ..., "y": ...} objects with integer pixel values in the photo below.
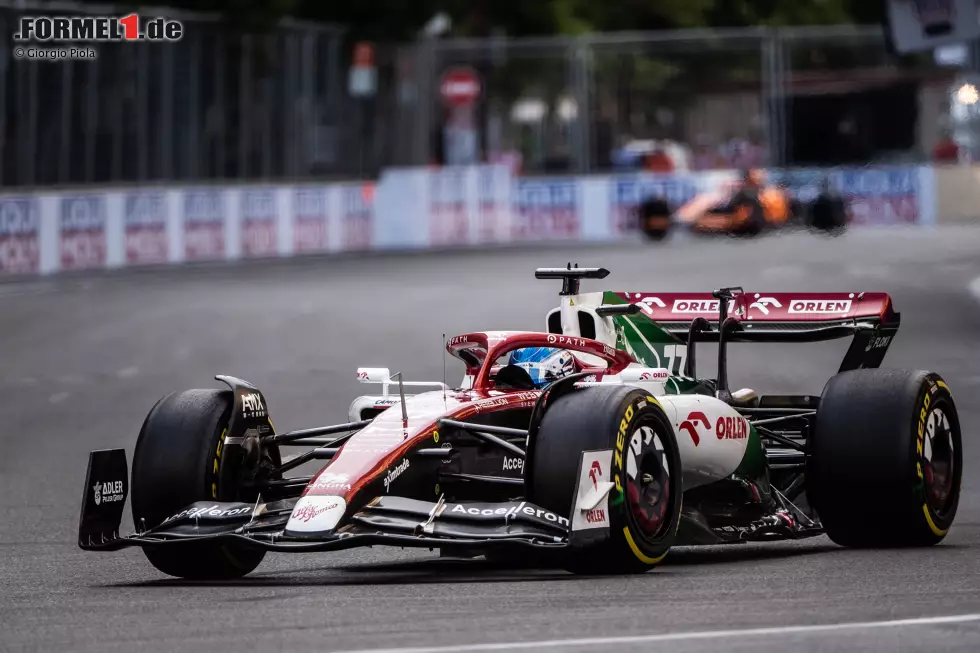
[{"x": 316, "y": 514}]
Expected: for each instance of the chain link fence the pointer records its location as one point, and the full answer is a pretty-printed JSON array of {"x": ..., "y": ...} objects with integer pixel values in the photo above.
[
  {"x": 216, "y": 105},
  {"x": 225, "y": 105},
  {"x": 706, "y": 98}
]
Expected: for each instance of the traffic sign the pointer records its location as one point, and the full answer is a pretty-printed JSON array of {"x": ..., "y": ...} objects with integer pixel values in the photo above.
[
  {"x": 362, "y": 79},
  {"x": 460, "y": 86}
]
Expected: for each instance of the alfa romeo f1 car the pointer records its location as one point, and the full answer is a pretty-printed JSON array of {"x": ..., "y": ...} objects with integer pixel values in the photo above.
[{"x": 601, "y": 457}]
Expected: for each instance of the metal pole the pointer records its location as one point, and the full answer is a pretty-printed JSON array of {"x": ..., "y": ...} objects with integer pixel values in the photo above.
[
  {"x": 361, "y": 137},
  {"x": 4, "y": 69},
  {"x": 20, "y": 99},
  {"x": 425, "y": 74},
  {"x": 289, "y": 103},
  {"x": 244, "y": 106},
  {"x": 32, "y": 112},
  {"x": 193, "y": 153},
  {"x": 119, "y": 120},
  {"x": 583, "y": 116},
  {"x": 768, "y": 94},
  {"x": 267, "y": 100},
  {"x": 306, "y": 129},
  {"x": 335, "y": 101},
  {"x": 64, "y": 161},
  {"x": 91, "y": 116},
  {"x": 167, "y": 119},
  {"x": 142, "y": 112},
  {"x": 572, "y": 128},
  {"x": 784, "y": 72},
  {"x": 219, "y": 83}
]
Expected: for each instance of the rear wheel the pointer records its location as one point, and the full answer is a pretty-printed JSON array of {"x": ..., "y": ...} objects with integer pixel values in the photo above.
[
  {"x": 885, "y": 460},
  {"x": 178, "y": 456},
  {"x": 644, "y": 504},
  {"x": 655, "y": 218},
  {"x": 749, "y": 207}
]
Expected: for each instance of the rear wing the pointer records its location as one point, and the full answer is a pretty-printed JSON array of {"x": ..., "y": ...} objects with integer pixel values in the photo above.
[
  {"x": 795, "y": 311},
  {"x": 777, "y": 317},
  {"x": 654, "y": 327}
]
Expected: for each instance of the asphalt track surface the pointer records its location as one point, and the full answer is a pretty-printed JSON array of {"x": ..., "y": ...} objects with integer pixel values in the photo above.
[{"x": 83, "y": 358}]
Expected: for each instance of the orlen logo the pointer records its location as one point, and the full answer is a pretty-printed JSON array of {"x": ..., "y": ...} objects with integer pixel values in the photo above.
[
  {"x": 596, "y": 516},
  {"x": 732, "y": 428},
  {"x": 820, "y": 306},
  {"x": 763, "y": 304},
  {"x": 690, "y": 426},
  {"x": 595, "y": 473},
  {"x": 700, "y": 306},
  {"x": 646, "y": 304},
  {"x": 661, "y": 375}
]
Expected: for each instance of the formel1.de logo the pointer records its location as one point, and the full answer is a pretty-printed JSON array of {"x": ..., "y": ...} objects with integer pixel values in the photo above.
[{"x": 98, "y": 29}]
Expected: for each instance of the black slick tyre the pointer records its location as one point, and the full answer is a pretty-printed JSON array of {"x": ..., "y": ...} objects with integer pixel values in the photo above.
[
  {"x": 177, "y": 462},
  {"x": 644, "y": 504},
  {"x": 755, "y": 223},
  {"x": 654, "y": 214},
  {"x": 885, "y": 460}
]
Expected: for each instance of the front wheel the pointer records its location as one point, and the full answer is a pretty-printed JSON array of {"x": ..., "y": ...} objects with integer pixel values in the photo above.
[
  {"x": 885, "y": 459},
  {"x": 750, "y": 216},
  {"x": 654, "y": 214},
  {"x": 178, "y": 456},
  {"x": 644, "y": 504}
]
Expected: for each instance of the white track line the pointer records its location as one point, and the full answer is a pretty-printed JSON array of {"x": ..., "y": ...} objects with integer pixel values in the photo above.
[{"x": 675, "y": 637}]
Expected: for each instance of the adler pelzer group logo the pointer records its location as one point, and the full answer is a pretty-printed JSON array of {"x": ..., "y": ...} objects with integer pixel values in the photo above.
[{"x": 66, "y": 37}]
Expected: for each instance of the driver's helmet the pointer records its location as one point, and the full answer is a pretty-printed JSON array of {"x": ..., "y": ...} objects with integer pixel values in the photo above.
[{"x": 544, "y": 364}]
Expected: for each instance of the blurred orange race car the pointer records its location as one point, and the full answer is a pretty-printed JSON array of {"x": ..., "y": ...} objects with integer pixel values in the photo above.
[{"x": 745, "y": 207}]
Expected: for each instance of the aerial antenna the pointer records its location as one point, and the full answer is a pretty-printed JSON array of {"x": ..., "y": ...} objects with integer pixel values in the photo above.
[
  {"x": 401, "y": 396},
  {"x": 444, "y": 368}
]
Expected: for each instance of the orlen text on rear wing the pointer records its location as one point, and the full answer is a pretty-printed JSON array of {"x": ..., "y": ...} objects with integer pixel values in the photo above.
[{"x": 777, "y": 317}]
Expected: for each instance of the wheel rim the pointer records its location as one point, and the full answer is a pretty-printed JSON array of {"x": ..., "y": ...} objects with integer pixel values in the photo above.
[
  {"x": 938, "y": 461},
  {"x": 648, "y": 494}
]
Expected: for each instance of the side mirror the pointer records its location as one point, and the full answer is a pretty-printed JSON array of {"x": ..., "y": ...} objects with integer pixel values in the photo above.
[{"x": 373, "y": 374}]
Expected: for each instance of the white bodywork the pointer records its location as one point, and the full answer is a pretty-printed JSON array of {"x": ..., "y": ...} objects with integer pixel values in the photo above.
[
  {"x": 591, "y": 506},
  {"x": 722, "y": 437},
  {"x": 572, "y": 305},
  {"x": 711, "y": 436},
  {"x": 706, "y": 456}
]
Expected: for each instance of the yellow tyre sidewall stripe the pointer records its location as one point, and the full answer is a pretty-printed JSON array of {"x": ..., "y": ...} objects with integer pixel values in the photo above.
[{"x": 636, "y": 550}]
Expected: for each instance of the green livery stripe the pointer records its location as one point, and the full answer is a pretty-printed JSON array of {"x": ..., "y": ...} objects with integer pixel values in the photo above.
[
  {"x": 753, "y": 465},
  {"x": 652, "y": 345}
]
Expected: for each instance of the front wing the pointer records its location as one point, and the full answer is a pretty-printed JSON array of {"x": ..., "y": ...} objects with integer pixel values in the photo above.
[{"x": 388, "y": 520}]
